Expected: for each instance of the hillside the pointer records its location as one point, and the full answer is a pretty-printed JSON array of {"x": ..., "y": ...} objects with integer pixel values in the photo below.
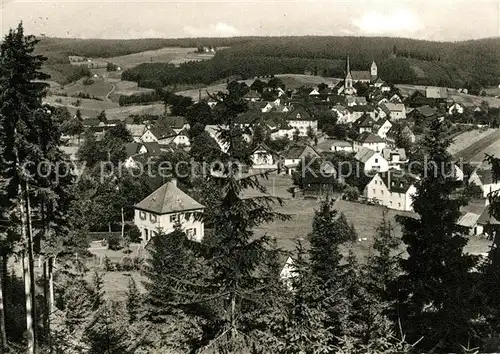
[{"x": 453, "y": 64}]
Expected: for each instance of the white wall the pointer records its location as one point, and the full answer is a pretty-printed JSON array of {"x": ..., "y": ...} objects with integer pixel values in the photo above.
[
  {"x": 148, "y": 137},
  {"x": 146, "y": 221},
  {"x": 376, "y": 162}
]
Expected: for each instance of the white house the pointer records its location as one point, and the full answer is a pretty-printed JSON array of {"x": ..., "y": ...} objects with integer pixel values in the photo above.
[
  {"x": 182, "y": 138},
  {"x": 164, "y": 208},
  {"x": 264, "y": 158},
  {"x": 484, "y": 180},
  {"x": 371, "y": 160},
  {"x": 340, "y": 145},
  {"x": 395, "y": 157},
  {"x": 342, "y": 113},
  {"x": 382, "y": 127},
  {"x": 159, "y": 133},
  {"x": 391, "y": 110},
  {"x": 456, "y": 108},
  {"x": 302, "y": 121},
  {"x": 393, "y": 189},
  {"x": 296, "y": 153},
  {"x": 370, "y": 141}
]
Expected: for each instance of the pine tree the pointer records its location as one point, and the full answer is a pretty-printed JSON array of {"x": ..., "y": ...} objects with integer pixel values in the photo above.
[
  {"x": 97, "y": 293},
  {"x": 234, "y": 254},
  {"x": 133, "y": 301},
  {"x": 305, "y": 327},
  {"x": 436, "y": 286}
]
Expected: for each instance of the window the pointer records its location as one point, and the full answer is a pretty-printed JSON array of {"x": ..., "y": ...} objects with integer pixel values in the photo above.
[
  {"x": 146, "y": 234},
  {"x": 374, "y": 191},
  {"x": 142, "y": 215},
  {"x": 390, "y": 202},
  {"x": 399, "y": 205},
  {"x": 152, "y": 218},
  {"x": 382, "y": 191},
  {"x": 173, "y": 218}
]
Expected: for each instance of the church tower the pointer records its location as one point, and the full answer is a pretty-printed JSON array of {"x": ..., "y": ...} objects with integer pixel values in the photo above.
[
  {"x": 374, "y": 71},
  {"x": 348, "y": 89}
]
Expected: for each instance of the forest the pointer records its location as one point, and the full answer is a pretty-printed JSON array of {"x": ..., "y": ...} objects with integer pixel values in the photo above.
[{"x": 399, "y": 61}]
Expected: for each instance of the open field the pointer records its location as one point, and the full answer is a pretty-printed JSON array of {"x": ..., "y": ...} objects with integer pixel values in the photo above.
[
  {"x": 123, "y": 112},
  {"x": 476, "y": 151},
  {"x": 99, "y": 88},
  {"x": 88, "y": 108},
  {"x": 164, "y": 55},
  {"x": 468, "y": 138}
]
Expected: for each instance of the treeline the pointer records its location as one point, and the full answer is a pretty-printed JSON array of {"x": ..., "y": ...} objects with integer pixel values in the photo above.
[
  {"x": 399, "y": 61},
  {"x": 139, "y": 99}
]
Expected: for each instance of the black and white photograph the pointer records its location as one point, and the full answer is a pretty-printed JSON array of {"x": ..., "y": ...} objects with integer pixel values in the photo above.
[{"x": 249, "y": 177}]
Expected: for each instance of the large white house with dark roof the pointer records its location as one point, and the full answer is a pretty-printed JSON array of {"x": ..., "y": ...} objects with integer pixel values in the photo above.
[
  {"x": 164, "y": 208},
  {"x": 393, "y": 189},
  {"x": 371, "y": 160},
  {"x": 370, "y": 141}
]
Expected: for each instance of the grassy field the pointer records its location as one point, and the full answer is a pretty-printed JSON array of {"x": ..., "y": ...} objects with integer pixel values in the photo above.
[
  {"x": 123, "y": 112},
  {"x": 99, "y": 88},
  {"x": 466, "y": 139},
  {"x": 155, "y": 56},
  {"x": 88, "y": 108}
]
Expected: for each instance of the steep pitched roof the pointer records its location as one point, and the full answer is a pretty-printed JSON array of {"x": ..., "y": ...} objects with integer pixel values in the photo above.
[
  {"x": 252, "y": 94},
  {"x": 132, "y": 148},
  {"x": 160, "y": 130},
  {"x": 389, "y": 107},
  {"x": 485, "y": 175},
  {"x": 367, "y": 137},
  {"x": 365, "y": 121},
  {"x": 168, "y": 199},
  {"x": 299, "y": 114},
  {"x": 485, "y": 217},
  {"x": 396, "y": 181},
  {"x": 364, "y": 154},
  {"x": 153, "y": 148},
  {"x": 295, "y": 151},
  {"x": 468, "y": 219},
  {"x": 136, "y": 129},
  {"x": 362, "y": 108}
]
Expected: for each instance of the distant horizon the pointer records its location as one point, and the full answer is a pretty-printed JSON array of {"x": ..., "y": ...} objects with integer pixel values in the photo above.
[{"x": 442, "y": 20}]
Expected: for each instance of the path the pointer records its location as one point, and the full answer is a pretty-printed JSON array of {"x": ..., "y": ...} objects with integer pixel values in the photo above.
[
  {"x": 472, "y": 150},
  {"x": 110, "y": 92}
]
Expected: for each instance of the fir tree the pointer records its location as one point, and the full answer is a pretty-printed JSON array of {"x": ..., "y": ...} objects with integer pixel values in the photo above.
[
  {"x": 305, "y": 327},
  {"x": 436, "y": 284},
  {"x": 133, "y": 301},
  {"x": 97, "y": 298}
]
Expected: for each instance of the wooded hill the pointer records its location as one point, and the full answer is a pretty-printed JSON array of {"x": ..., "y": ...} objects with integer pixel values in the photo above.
[{"x": 400, "y": 60}]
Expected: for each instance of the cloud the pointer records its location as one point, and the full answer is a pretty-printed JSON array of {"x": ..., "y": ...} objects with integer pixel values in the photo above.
[
  {"x": 393, "y": 23},
  {"x": 220, "y": 29}
]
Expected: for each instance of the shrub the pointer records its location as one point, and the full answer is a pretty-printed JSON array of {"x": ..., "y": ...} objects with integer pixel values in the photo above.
[
  {"x": 133, "y": 234},
  {"x": 127, "y": 264},
  {"x": 114, "y": 242}
]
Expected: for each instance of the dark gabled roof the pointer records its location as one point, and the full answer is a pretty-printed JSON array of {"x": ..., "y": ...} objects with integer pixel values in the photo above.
[
  {"x": 173, "y": 122},
  {"x": 386, "y": 153},
  {"x": 397, "y": 181},
  {"x": 295, "y": 151},
  {"x": 364, "y": 154},
  {"x": 249, "y": 117},
  {"x": 365, "y": 121},
  {"x": 168, "y": 199},
  {"x": 132, "y": 149},
  {"x": 252, "y": 94},
  {"x": 426, "y": 111},
  {"x": 485, "y": 217},
  {"x": 160, "y": 130},
  {"x": 362, "y": 108},
  {"x": 153, "y": 148},
  {"x": 299, "y": 114},
  {"x": 367, "y": 137}
]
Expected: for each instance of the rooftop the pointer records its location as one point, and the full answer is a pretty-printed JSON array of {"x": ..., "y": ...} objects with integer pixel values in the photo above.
[
  {"x": 367, "y": 137},
  {"x": 364, "y": 154},
  {"x": 168, "y": 199}
]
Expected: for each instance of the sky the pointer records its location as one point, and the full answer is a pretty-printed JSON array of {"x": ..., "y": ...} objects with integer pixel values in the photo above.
[{"x": 441, "y": 20}]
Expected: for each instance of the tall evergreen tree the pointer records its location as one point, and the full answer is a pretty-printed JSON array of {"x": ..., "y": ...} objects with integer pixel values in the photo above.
[{"x": 435, "y": 294}]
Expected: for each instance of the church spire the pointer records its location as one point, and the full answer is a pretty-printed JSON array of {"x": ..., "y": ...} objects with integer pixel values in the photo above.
[{"x": 348, "y": 69}]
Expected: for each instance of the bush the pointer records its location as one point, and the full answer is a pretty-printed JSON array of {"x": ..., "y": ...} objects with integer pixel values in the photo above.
[
  {"x": 133, "y": 234},
  {"x": 114, "y": 242},
  {"x": 127, "y": 264},
  {"x": 351, "y": 193}
]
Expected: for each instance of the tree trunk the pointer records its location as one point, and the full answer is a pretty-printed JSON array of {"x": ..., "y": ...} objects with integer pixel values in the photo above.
[
  {"x": 29, "y": 311},
  {"x": 31, "y": 314},
  {"x": 123, "y": 225},
  {"x": 46, "y": 303},
  {"x": 3, "y": 335},
  {"x": 51, "y": 285}
]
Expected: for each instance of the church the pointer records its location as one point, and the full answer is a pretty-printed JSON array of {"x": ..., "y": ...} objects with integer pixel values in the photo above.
[{"x": 358, "y": 76}]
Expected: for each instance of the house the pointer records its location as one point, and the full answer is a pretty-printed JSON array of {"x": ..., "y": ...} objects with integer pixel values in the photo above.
[
  {"x": 211, "y": 102},
  {"x": 264, "y": 158},
  {"x": 342, "y": 113},
  {"x": 371, "y": 160},
  {"x": 393, "y": 189},
  {"x": 181, "y": 139},
  {"x": 282, "y": 109},
  {"x": 418, "y": 98},
  {"x": 136, "y": 130},
  {"x": 281, "y": 131},
  {"x": 357, "y": 111},
  {"x": 469, "y": 221},
  {"x": 340, "y": 145},
  {"x": 296, "y": 153},
  {"x": 267, "y": 108},
  {"x": 483, "y": 178},
  {"x": 378, "y": 83},
  {"x": 390, "y": 110},
  {"x": 485, "y": 222},
  {"x": 164, "y": 209},
  {"x": 370, "y": 141},
  {"x": 314, "y": 93},
  {"x": 396, "y": 98},
  {"x": 382, "y": 127},
  {"x": 159, "y": 132},
  {"x": 176, "y": 123},
  {"x": 364, "y": 123},
  {"x": 138, "y": 153},
  {"x": 395, "y": 157},
  {"x": 456, "y": 108},
  {"x": 301, "y": 120},
  {"x": 252, "y": 96},
  {"x": 422, "y": 113},
  {"x": 351, "y": 101}
]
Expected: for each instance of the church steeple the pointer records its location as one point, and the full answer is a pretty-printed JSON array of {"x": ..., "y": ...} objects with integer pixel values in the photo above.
[
  {"x": 348, "y": 68},
  {"x": 348, "y": 89}
]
